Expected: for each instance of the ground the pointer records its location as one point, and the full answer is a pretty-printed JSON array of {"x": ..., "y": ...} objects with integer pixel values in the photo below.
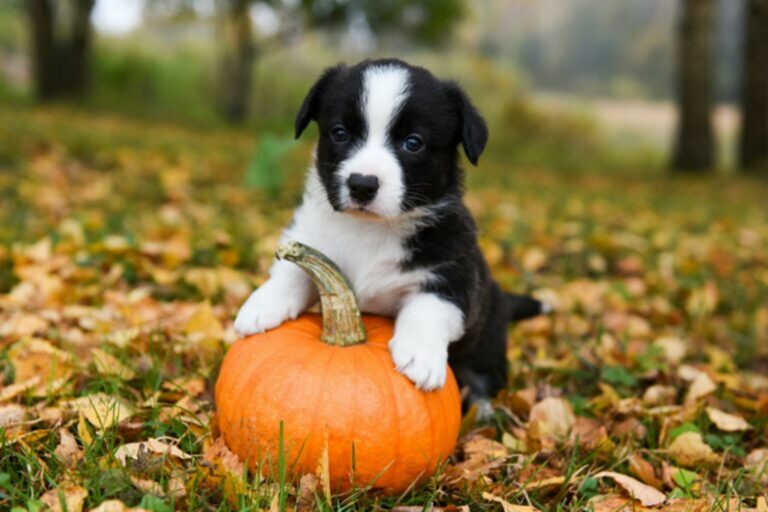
[{"x": 126, "y": 248}]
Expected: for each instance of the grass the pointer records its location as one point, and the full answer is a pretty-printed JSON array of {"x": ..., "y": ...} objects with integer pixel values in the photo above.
[{"x": 139, "y": 239}]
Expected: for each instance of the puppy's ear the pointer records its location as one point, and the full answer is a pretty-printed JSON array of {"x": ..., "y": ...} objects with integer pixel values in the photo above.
[
  {"x": 474, "y": 132},
  {"x": 308, "y": 110}
]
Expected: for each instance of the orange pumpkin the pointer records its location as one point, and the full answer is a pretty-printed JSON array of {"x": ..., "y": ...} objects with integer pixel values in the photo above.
[{"x": 318, "y": 383}]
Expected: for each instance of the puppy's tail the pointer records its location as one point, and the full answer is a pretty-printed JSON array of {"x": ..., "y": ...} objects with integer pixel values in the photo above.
[{"x": 522, "y": 307}]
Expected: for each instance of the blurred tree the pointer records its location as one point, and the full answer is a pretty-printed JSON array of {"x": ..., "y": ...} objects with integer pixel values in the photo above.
[
  {"x": 754, "y": 134},
  {"x": 61, "y": 46},
  {"x": 424, "y": 21},
  {"x": 238, "y": 60},
  {"x": 694, "y": 147}
]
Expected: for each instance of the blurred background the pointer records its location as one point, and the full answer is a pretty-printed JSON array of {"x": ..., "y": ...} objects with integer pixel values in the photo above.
[{"x": 661, "y": 83}]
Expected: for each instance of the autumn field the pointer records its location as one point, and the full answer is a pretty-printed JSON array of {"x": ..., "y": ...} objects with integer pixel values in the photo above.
[{"x": 127, "y": 246}]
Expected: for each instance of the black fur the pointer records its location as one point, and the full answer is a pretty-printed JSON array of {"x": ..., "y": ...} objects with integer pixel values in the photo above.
[{"x": 442, "y": 114}]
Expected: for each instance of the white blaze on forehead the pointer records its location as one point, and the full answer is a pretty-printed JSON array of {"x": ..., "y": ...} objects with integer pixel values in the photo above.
[{"x": 385, "y": 89}]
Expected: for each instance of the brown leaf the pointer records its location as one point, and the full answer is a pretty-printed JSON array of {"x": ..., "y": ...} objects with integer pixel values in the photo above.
[
  {"x": 727, "y": 422},
  {"x": 507, "y": 506},
  {"x": 323, "y": 471},
  {"x": 107, "y": 364},
  {"x": 551, "y": 418},
  {"x": 690, "y": 450},
  {"x": 12, "y": 420},
  {"x": 643, "y": 493},
  {"x": 644, "y": 470},
  {"x": 701, "y": 386},
  {"x": 155, "y": 446},
  {"x": 69, "y": 498},
  {"x": 67, "y": 450},
  {"x": 116, "y": 506},
  {"x": 227, "y": 468}
]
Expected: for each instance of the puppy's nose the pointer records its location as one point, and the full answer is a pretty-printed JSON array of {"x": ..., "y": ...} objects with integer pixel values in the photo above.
[{"x": 362, "y": 188}]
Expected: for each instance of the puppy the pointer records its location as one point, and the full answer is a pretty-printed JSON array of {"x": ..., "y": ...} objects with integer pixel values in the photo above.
[{"x": 383, "y": 200}]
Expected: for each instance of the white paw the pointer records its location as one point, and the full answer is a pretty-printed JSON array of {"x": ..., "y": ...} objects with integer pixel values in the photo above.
[
  {"x": 422, "y": 361},
  {"x": 263, "y": 311}
]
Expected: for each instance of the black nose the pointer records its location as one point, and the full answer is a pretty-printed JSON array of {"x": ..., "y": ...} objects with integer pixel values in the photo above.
[{"x": 362, "y": 188}]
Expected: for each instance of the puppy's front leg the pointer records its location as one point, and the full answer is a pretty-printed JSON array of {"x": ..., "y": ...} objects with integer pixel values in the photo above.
[
  {"x": 287, "y": 293},
  {"x": 424, "y": 328}
]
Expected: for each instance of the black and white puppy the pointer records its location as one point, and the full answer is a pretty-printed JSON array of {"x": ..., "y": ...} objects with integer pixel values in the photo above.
[{"x": 383, "y": 200}]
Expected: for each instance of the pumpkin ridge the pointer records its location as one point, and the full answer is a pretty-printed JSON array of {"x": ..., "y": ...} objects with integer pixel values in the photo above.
[
  {"x": 254, "y": 374},
  {"x": 320, "y": 401},
  {"x": 385, "y": 367}
]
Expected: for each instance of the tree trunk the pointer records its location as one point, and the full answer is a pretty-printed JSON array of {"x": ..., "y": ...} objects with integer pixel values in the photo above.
[
  {"x": 754, "y": 133},
  {"x": 695, "y": 150},
  {"x": 238, "y": 62},
  {"x": 61, "y": 61},
  {"x": 41, "y": 17}
]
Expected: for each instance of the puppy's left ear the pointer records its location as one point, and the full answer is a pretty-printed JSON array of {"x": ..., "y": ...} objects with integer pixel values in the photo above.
[
  {"x": 474, "y": 132},
  {"x": 309, "y": 106}
]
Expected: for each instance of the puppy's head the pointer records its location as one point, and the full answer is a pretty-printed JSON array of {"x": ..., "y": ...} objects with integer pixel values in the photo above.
[{"x": 389, "y": 136}]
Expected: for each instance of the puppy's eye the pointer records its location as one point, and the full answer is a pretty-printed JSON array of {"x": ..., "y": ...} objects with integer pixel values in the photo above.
[
  {"x": 413, "y": 143},
  {"x": 339, "y": 133}
]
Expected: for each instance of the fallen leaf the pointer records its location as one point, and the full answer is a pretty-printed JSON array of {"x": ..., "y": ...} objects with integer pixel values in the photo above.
[
  {"x": 507, "y": 506},
  {"x": 107, "y": 364},
  {"x": 203, "y": 324},
  {"x": 552, "y": 417},
  {"x": 673, "y": 348},
  {"x": 227, "y": 468},
  {"x": 323, "y": 471},
  {"x": 690, "y": 450},
  {"x": 156, "y": 446},
  {"x": 103, "y": 411},
  {"x": 757, "y": 464},
  {"x": 67, "y": 450},
  {"x": 116, "y": 506},
  {"x": 701, "y": 386},
  {"x": 69, "y": 498},
  {"x": 727, "y": 422},
  {"x": 643, "y": 493},
  {"x": 644, "y": 470}
]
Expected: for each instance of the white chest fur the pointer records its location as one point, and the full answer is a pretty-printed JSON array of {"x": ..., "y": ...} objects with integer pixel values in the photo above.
[{"x": 368, "y": 251}]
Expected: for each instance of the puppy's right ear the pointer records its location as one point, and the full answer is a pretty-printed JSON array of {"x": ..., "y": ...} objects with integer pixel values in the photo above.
[{"x": 308, "y": 110}]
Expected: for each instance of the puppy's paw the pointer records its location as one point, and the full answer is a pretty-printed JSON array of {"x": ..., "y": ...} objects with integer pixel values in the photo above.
[
  {"x": 424, "y": 362},
  {"x": 263, "y": 311}
]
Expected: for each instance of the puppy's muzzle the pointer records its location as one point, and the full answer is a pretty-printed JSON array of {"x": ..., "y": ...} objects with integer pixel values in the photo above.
[{"x": 362, "y": 188}]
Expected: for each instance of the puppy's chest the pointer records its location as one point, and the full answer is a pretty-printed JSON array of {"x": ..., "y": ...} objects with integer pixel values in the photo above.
[{"x": 370, "y": 255}]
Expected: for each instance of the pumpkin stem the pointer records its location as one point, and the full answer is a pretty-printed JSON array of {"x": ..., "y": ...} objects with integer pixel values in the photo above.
[{"x": 342, "y": 325}]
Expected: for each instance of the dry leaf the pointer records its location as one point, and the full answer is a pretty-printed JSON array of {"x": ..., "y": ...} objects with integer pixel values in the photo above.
[
  {"x": 506, "y": 506},
  {"x": 116, "y": 506},
  {"x": 701, "y": 386},
  {"x": 323, "y": 471},
  {"x": 156, "y": 446},
  {"x": 69, "y": 498},
  {"x": 643, "y": 493},
  {"x": 203, "y": 324},
  {"x": 67, "y": 450},
  {"x": 102, "y": 411},
  {"x": 727, "y": 422},
  {"x": 552, "y": 417},
  {"x": 107, "y": 364},
  {"x": 228, "y": 469},
  {"x": 644, "y": 470},
  {"x": 11, "y": 420},
  {"x": 690, "y": 450}
]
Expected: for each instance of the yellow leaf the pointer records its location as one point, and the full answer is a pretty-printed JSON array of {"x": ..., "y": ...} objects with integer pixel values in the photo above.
[
  {"x": 107, "y": 364},
  {"x": 103, "y": 411},
  {"x": 66, "y": 497},
  {"x": 155, "y": 446},
  {"x": 507, "y": 506},
  {"x": 552, "y": 417},
  {"x": 67, "y": 450},
  {"x": 643, "y": 493},
  {"x": 690, "y": 450},
  {"x": 204, "y": 324},
  {"x": 701, "y": 386},
  {"x": 323, "y": 471},
  {"x": 727, "y": 422}
]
